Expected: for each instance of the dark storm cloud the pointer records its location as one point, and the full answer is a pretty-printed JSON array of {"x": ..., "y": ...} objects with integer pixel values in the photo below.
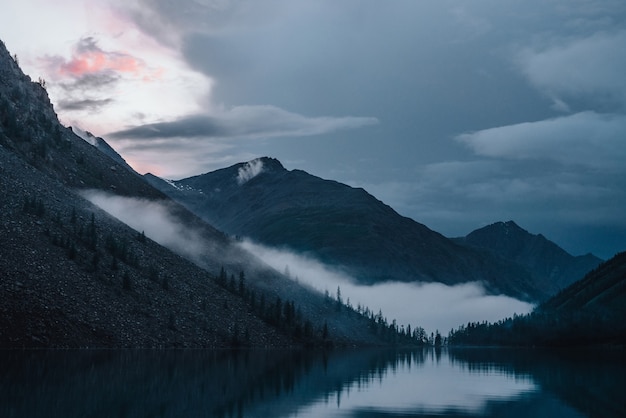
[
  {"x": 492, "y": 110},
  {"x": 89, "y": 82},
  {"x": 243, "y": 122},
  {"x": 169, "y": 21},
  {"x": 84, "y": 104},
  {"x": 187, "y": 127}
]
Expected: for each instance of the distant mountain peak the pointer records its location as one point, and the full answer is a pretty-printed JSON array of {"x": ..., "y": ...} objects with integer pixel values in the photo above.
[
  {"x": 271, "y": 163},
  {"x": 539, "y": 255},
  {"x": 247, "y": 171},
  {"x": 508, "y": 225}
]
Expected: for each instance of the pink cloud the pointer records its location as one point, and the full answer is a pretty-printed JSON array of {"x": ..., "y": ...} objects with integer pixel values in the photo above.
[{"x": 89, "y": 58}]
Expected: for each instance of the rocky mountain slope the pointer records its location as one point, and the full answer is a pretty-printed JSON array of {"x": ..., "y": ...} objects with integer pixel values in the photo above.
[
  {"x": 551, "y": 265},
  {"x": 72, "y": 275},
  {"x": 602, "y": 290},
  {"x": 591, "y": 311},
  {"x": 342, "y": 226}
]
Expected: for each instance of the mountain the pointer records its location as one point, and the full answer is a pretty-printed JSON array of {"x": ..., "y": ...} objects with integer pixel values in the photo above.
[
  {"x": 339, "y": 225},
  {"x": 602, "y": 290},
  {"x": 102, "y": 146},
  {"x": 73, "y": 275},
  {"x": 590, "y": 311},
  {"x": 551, "y": 265}
]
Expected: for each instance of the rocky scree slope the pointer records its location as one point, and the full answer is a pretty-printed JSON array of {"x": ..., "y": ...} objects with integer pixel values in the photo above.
[{"x": 71, "y": 275}]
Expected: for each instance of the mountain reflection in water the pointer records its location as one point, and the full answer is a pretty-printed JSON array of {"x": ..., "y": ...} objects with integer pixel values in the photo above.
[{"x": 340, "y": 383}]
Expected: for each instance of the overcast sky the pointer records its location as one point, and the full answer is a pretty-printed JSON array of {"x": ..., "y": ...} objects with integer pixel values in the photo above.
[{"x": 456, "y": 113}]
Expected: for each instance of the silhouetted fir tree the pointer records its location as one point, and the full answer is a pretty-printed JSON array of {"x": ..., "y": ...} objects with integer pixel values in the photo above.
[
  {"x": 114, "y": 264},
  {"x": 262, "y": 305},
  {"x": 34, "y": 206},
  {"x": 92, "y": 235},
  {"x": 126, "y": 283},
  {"x": 234, "y": 339},
  {"x": 339, "y": 302},
  {"x": 278, "y": 311},
  {"x": 71, "y": 251},
  {"x": 298, "y": 314},
  {"x": 153, "y": 274},
  {"x": 289, "y": 313},
  {"x": 297, "y": 331},
  {"x": 242, "y": 283},
  {"x": 222, "y": 278},
  {"x": 308, "y": 329},
  {"x": 437, "y": 339},
  {"x": 232, "y": 284},
  {"x": 95, "y": 260},
  {"x": 252, "y": 300},
  {"x": 246, "y": 337}
]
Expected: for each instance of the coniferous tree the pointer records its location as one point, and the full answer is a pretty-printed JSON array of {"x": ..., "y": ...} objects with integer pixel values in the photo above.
[
  {"x": 242, "y": 283},
  {"x": 126, "y": 283}
]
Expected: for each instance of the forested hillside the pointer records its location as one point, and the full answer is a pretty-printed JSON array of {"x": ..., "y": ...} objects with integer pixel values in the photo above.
[{"x": 590, "y": 311}]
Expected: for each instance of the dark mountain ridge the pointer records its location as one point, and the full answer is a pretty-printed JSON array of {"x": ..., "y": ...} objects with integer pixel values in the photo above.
[
  {"x": 601, "y": 290},
  {"x": 549, "y": 264},
  {"x": 591, "y": 311},
  {"x": 71, "y": 275},
  {"x": 340, "y": 225}
]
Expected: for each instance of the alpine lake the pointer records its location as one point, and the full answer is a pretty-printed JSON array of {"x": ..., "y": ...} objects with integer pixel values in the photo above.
[{"x": 429, "y": 382}]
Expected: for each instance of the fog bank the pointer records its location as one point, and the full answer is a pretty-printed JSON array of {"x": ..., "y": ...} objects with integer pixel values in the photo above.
[
  {"x": 433, "y": 306},
  {"x": 152, "y": 218}
]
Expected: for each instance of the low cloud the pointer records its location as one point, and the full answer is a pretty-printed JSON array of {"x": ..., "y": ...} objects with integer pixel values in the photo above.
[
  {"x": 586, "y": 139},
  {"x": 249, "y": 170},
  {"x": 154, "y": 219},
  {"x": 89, "y": 58},
  {"x": 433, "y": 306},
  {"x": 591, "y": 68},
  {"x": 244, "y": 122},
  {"x": 84, "y": 104},
  {"x": 87, "y": 83}
]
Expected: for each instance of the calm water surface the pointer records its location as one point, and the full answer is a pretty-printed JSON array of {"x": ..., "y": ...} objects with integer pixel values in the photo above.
[{"x": 354, "y": 383}]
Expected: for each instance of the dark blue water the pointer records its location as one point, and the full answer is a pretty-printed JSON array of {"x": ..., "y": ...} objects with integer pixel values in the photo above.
[{"x": 354, "y": 383}]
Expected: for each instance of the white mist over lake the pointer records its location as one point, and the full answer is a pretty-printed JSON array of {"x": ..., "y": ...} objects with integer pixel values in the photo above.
[{"x": 433, "y": 306}]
